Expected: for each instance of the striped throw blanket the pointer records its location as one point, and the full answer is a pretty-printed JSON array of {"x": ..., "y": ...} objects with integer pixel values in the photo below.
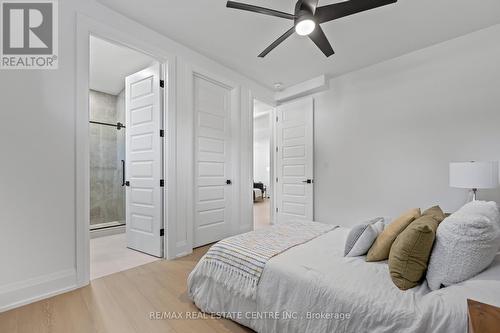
[{"x": 238, "y": 262}]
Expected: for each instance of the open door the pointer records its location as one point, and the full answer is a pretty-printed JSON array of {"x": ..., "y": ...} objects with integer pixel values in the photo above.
[
  {"x": 294, "y": 161},
  {"x": 144, "y": 198}
]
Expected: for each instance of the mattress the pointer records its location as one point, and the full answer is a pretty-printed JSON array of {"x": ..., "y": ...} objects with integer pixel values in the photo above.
[{"x": 313, "y": 288}]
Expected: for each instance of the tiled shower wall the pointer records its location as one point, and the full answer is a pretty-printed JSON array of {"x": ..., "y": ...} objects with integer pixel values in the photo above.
[{"x": 107, "y": 149}]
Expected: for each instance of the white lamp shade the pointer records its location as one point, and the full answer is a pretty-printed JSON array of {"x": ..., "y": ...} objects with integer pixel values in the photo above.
[{"x": 474, "y": 174}]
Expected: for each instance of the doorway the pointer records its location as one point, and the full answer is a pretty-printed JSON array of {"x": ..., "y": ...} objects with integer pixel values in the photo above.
[
  {"x": 263, "y": 115},
  {"x": 125, "y": 158}
]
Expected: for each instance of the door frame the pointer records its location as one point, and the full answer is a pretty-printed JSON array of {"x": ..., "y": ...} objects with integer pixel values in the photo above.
[
  {"x": 272, "y": 155},
  {"x": 85, "y": 28}
]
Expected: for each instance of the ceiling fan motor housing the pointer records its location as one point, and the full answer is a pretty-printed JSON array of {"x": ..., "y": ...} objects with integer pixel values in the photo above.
[
  {"x": 305, "y": 22},
  {"x": 304, "y": 15},
  {"x": 304, "y": 6}
]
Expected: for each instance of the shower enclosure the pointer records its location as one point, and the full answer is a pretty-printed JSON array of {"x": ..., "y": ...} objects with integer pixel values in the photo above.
[{"x": 107, "y": 159}]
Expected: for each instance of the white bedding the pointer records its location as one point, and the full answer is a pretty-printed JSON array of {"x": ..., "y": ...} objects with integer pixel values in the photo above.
[{"x": 315, "y": 278}]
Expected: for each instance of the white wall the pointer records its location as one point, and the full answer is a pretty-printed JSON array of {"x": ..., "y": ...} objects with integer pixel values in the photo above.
[
  {"x": 384, "y": 135},
  {"x": 37, "y": 171},
  {"x": 261, "y": 146}
]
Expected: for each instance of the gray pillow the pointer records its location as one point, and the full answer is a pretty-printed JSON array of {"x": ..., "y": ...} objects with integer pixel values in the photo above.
[
  {"x": 466, "y": 243},
  {"x": 361, "y": 237}
]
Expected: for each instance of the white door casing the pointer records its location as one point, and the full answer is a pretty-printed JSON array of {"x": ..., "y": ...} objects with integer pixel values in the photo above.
[
  {"x": 294, "y": 161},
  {"x": 213, "y": 165},
  {"x": 144, "y": 197}
]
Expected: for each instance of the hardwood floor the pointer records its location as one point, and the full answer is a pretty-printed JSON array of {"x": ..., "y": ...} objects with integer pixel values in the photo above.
[
  {"x": 121, "y": 303},
  {"x": 261, "y": 214}
]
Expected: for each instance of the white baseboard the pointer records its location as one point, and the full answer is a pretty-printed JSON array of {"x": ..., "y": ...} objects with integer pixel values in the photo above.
[
  {"x": 28, "y": 291},
  {"x": 107, "y": 231}
]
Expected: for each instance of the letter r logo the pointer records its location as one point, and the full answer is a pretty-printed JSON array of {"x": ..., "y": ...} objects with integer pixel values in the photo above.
[{"x": 27, "y": 28}]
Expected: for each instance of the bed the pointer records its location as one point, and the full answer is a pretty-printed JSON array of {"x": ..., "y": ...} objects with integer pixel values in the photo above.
[
  {"x": 259, "y": 191},
  {"x": 312, "y": 288},
  {"x": 257, "y": 194}
]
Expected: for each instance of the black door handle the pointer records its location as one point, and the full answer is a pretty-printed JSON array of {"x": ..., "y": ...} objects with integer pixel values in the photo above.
[
  {"x": 127, "y": 183},
  {"x": 308, "y": 181},
  {"x": 229, "y": 182},
  {"x": 123, "y": 172}
]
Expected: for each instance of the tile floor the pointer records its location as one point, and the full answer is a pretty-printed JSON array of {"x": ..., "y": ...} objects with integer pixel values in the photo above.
[{"x": 110, "y": 254}]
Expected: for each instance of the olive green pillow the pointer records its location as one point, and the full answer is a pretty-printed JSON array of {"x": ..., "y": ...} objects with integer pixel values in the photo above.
[
  {"x": 382, "y": 246},
  {"x": 410, "y": 252},
  {"x": 436, "y": 212}
]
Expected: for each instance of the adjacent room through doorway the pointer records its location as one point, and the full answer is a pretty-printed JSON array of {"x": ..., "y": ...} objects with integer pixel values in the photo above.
[
  {"x": 262, "y": 163},
  {"x": 122, "y": 104}
]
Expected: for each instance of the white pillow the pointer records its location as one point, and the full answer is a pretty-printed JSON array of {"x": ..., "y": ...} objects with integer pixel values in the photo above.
[
  {"x": 379, "y": 225},
  {"x": 361, "y": 237},
  {"x": 466, "y": 243}
]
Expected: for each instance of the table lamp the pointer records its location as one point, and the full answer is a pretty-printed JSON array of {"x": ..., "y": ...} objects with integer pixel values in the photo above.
[{"x": 474, "y": 175}]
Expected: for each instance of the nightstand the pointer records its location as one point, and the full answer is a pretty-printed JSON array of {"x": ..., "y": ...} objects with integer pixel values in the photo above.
[{"x": 483, "y": 318}]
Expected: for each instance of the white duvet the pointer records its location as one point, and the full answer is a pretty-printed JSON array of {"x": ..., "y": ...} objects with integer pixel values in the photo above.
[{"x": 313, "y": 288}]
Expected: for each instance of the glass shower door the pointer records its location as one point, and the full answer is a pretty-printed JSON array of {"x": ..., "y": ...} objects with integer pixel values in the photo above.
[{"x": 107, "y": 195}]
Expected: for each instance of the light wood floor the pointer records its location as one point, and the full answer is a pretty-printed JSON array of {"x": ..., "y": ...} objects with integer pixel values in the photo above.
[
  {"x": 120, "y": 303},
  {"x": 261, "y": 214}
]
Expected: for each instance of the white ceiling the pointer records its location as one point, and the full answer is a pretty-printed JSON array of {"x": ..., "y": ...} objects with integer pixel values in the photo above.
[
  {"x": 235, "y": 38},
  {"x": 111, "y": 63}
]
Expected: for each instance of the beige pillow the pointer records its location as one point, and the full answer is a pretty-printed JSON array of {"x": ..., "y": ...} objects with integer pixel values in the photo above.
[
  {"x": 411, "y": 251},
  {"x": 436, "y": 212},
  {"x": 382, "y": 246}
]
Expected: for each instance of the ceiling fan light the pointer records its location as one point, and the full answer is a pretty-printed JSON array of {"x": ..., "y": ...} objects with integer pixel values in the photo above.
[{"x": 305, "y": 27}]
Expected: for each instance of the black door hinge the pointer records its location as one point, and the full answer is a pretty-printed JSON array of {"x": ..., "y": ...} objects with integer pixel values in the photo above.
[
  {"x": 162, "y": 232},
  {"x": 162, "y": 183},
  {"x": 162, "y": 133},
  {"x": 162, "y": 84}
]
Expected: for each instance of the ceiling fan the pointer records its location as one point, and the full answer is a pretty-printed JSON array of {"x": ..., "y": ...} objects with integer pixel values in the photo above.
[{"x": 308, "y": 17}]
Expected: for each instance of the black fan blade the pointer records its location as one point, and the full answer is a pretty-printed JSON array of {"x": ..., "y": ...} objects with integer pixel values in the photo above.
[
  {"x": 277, "y": 42},
  {"x": 319, "y": 38},
  {"x": 310, "y": 4},
  {"x": 260, "y": 10},
  {"x": 341, "y": 9}
]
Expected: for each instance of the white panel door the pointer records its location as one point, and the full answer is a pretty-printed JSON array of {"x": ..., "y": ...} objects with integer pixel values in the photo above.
[
  {"x": 294, "y": 161},
  {"x": 144, "y": 161},
  {"x": 213, "y": 190}
]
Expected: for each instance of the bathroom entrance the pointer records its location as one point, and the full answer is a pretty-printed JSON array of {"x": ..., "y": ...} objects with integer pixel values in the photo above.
[{"x": 125, "y": 158}]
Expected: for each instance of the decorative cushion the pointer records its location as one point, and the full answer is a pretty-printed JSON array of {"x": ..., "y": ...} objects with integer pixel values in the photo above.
[
  {"x": 361, "y": 237},
  {"x": 436, "y": 212},
  {"x": 466, "y": 243},
  {"x": 410, "y": 252},
  {"x": 382, "y": 246}
]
